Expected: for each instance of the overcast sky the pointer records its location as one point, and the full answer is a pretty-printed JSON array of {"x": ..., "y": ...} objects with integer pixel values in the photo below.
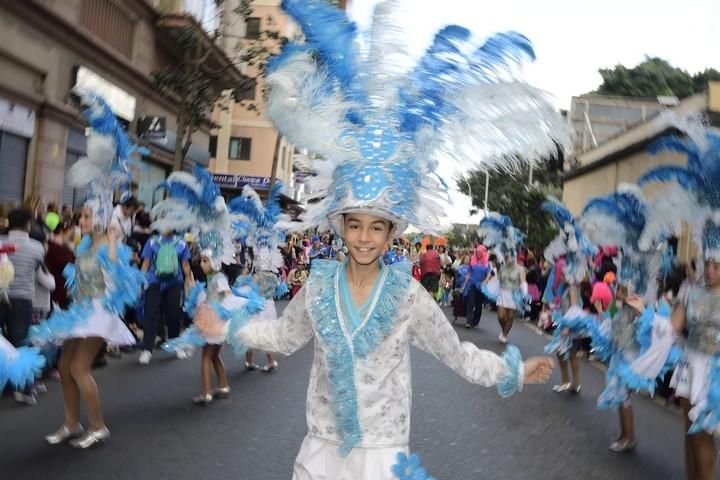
[{"x": 573, "y": 38}]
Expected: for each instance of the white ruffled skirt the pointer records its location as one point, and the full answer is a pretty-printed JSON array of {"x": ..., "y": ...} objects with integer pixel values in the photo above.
[
  {"x": 691, "y": 380},
  {"x": 506, "y": 300},
  {"x": 103, "y": 324},
  {"x": 321, "y": 460}
]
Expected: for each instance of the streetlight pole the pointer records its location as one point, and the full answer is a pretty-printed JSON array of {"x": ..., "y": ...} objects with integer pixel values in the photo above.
[{"x": 487, "y": 189}]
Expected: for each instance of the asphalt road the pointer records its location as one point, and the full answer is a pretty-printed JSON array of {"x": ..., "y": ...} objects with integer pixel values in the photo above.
[{"x": 461, "y": 431}]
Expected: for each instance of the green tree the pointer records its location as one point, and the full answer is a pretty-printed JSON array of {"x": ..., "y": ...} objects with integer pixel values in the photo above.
[
  {"x": 653, "y": 77},
  {"x": 513, "y": 195}
]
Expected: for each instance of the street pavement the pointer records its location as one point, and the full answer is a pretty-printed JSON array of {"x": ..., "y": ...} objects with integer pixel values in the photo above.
[{"x": 460, "y": 431}]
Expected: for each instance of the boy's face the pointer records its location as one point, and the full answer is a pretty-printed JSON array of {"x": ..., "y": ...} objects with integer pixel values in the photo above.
[{"x": 365, "y": 237}]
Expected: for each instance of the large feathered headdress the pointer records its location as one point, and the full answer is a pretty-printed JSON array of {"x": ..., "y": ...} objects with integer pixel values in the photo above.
[
  {"x": 499, "y": 234},
  {"x": 695, "y": 198},
  {"x": 106, "y": 165},
  {"x": 620, "y": 219},
  {"x": 261, "y": 227},
  {"x": 382, "y": 129},
  {"x": 194, "y": 204},
  {"x": 570, "y": 243}
]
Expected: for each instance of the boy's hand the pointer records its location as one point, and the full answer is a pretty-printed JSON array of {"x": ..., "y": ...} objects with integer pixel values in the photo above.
[{"x": 538, "y": 369}]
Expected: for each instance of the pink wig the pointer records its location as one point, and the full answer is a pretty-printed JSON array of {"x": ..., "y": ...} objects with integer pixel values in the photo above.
[
  {"x": 479, "y": 256},
  {"x": 601, "y": 293}
]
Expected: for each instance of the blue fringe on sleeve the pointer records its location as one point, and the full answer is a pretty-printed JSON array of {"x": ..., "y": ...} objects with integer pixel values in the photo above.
[
  {"x": 579, "y": 326},
  {"x": 643, "y": 328},
  {"x": 511, "y": 382},
  {"x": 123, "y": 289},
  {"x": 23, "y": 369},
  {"x": 281, "y": 290},
  {"x": 601, "y": 339},
  {"x": 126, "y": 282},
  {"x": 409, "y": 468},
  {"x": 191, "y": 302},
  {"x": 708, "y": 418}
]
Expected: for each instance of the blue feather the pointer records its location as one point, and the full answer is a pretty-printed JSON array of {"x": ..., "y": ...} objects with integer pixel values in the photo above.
[
  {"x": 329, "y": 32},
  {"x": 687, "y": 179},
  {"x": 501, "y": 50}
]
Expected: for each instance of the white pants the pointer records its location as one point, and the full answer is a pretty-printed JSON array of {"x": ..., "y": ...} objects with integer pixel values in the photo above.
[{"x": 321, "y": 460}]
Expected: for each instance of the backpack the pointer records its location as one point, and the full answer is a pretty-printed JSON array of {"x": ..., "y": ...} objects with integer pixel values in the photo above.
[{"x": 166, "y": 261}]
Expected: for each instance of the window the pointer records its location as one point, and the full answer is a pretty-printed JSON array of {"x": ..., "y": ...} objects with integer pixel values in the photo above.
[
  {"x": 212, "y": 147},
  {"x": 240, "y": 148},
  {"x": 282, "y": 158},
  {"x": 246, "y": 90},
  {"x": 252, "y": 28},
  {"x": 110, "y": 20}
]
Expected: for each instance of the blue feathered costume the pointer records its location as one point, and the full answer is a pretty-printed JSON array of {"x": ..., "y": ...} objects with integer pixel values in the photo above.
[
  {"x": 694, "y": 198},
  {"x": 639, "y": 346},
  {"x": 570, "y": 320}
]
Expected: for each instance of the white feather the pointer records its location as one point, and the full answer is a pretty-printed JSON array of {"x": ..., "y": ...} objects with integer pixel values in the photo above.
[
  {"x": 556, "y": 249},
  {"x": 668, "y": 211},
  {"x": 300, "y": 108},
  {"x": 603, "y": 229},
  {"x": 693, "y": 125},
  {"x": 502, "y": 126},
  {"x": 389, "y": 59}
]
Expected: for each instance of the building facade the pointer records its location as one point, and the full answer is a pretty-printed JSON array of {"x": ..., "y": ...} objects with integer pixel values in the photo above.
[
  {"x": 623, "y": 158},
  {"x": 49, "y": 46},
  {"x": 246, "y": 145}
]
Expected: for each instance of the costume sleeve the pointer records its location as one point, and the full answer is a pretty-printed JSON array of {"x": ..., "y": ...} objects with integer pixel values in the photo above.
[
  {"x": 286, "y": 335},
  {"x": 431, "y": 332}
]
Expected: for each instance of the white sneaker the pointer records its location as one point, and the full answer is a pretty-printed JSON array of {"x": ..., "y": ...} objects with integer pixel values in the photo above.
[
  {"x": 144, "y": 358},
  {"x": 502, "y": 338},
  {"x": 182, "y": 355}
]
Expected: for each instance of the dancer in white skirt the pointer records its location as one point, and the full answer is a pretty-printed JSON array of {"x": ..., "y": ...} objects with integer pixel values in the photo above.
[
  {"x": 102, "y": 282},
  {"x": 382, "y": 131},
  {"x": 499, "y": 234},
  {"x": 194, "y": 202},
  {"x": 696, "y": 202},
  {"x": 638, "y": 340},
  {"x": 262, "y": 228},
  {"x": 570, "y": 319}
]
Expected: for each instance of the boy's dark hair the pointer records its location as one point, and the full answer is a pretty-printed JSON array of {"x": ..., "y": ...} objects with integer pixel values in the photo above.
[
  {"x": 19, "y": 219},
  {"x": 430, "y": 246},
  {"x": 131, "y": 203}
]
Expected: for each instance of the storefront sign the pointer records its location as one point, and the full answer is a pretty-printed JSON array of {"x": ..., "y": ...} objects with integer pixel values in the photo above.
[
  {"x": 152, "y": 127},
  {"x": 239, "y": 181},
  {"x": 16, "y": 119},
  {"x": 120, "y": 101}
]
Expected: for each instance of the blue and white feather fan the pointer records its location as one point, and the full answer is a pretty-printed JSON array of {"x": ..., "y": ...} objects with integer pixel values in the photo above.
[
  {"x": 194, "y": 204},
  {"x": 695, "y": 195},
  {"x": 261, "y": 227},
  {"x": 382, "y": 124},
  {"x": 499, "y": 235}
]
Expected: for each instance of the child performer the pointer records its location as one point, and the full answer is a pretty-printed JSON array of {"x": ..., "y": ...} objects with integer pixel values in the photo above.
[
  {"x": 381, "y": 132},
  {"x": 570, "y": 320},
  {"x": 499, "y": 234},
  {"x": 637, "y": 340},
  {"x": 102, "y": 281},
  {"x": 194, "y": 202},
  {"x": 696, "y": 202}
]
